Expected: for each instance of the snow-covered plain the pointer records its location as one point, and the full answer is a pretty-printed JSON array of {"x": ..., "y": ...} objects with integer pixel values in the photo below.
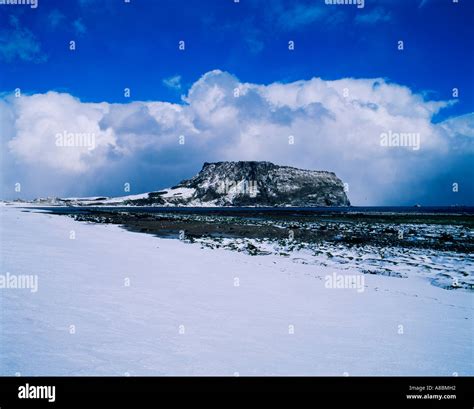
[{"x": 198, "y": 311}]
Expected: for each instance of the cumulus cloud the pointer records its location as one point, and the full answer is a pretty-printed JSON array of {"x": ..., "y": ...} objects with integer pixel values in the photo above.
[
  {"x": 335, "y": 125},
  {"x": 39, "y": 119}
]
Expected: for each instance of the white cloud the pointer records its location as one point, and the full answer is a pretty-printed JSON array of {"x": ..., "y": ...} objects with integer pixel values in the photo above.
[
  {"x": 336, "y": 126},
  {"x": 375, "y": 16},
  {"x": 19, "y": 43},
  {"x": 40, "y": 118},
  {"x": 55, "y": 18},
  {"x": 423, "y": 3},
  {"x": 173, "y": 82},
  {"x": 79, "y": 27},
  {"x": 461, "y": 125}
]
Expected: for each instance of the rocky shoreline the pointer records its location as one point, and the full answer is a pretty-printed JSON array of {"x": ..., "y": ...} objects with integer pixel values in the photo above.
[
  {"x": 436, "y": 247},
  {"x": 424, "y": 231}
]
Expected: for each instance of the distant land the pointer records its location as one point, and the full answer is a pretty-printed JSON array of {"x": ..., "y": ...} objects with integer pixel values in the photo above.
[{"x": 242, "y": 183}]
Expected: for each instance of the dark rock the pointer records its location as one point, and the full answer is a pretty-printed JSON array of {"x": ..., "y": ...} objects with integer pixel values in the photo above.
[{"x": 263, "y": 184}]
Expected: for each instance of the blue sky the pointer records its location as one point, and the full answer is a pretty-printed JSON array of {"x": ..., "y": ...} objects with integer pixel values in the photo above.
[{"x": 135, "y": 45}]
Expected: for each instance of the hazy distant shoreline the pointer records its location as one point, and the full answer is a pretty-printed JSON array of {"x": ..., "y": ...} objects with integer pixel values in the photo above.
[{"x": 366, "y": 210}]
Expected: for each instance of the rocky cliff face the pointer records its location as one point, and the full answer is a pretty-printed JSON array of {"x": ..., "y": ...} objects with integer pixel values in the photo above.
[
  {"x": 242, "y": 184},
  {"x": 253, "y": 184},
  {"x": 261, "y": 184}
]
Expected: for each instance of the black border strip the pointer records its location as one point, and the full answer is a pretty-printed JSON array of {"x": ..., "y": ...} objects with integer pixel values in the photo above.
[{"x": 239, "y": 392}]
